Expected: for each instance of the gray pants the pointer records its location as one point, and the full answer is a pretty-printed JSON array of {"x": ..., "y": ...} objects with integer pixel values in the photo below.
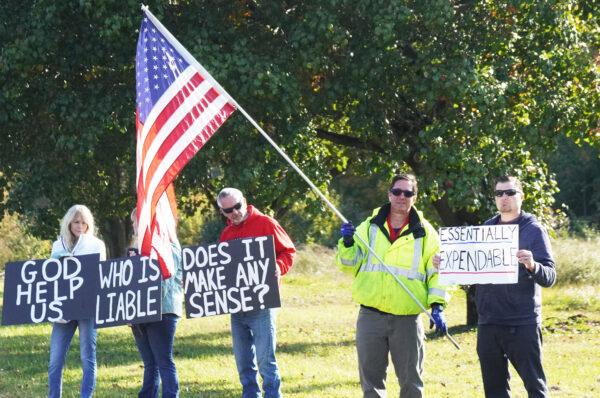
[{"x": 378, "y": 335}]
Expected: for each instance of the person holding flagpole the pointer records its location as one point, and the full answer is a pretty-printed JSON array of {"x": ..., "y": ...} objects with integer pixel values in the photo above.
[
  {"x": 77, "y": 237},
  {"x": 154, "y": 340},
  {"x": 253, "y": 333},
  {"x": 388, "y": 321}
]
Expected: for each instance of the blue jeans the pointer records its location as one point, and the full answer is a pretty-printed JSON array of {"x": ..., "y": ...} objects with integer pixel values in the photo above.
[
  {"x": 154, "y": 341},
  {"x": 60, "y": 341},
  {"x": 253, "y": 335}
]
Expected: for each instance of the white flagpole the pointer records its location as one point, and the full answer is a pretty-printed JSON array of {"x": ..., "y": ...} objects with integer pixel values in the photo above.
[{"x": 191, "y": 60}]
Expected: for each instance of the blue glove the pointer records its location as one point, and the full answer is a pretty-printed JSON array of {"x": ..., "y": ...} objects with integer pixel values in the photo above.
[
  {"x": 347, "y": 231},
  {"x": 439, "y": 318}
]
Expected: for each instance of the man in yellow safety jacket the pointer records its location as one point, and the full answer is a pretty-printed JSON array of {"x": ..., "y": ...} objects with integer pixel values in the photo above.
[{"x": 388, "y": 320}]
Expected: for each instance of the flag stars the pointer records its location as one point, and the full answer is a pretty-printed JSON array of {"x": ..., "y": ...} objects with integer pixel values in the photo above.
[{"x": 155, "y": 77}]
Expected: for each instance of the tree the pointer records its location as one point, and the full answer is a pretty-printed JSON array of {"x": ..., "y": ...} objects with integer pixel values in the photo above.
[
  {"x": 577, "y": 170},
  {"x": 67, "y": 111},
  {"x": 456, "y": 91}
]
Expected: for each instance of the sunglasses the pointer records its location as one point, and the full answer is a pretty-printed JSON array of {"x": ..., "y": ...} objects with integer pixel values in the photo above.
[
  {"x": 398, "y": 192},
  {"x": 509, "y": 192},
  {"x": 230, "y": 210}
]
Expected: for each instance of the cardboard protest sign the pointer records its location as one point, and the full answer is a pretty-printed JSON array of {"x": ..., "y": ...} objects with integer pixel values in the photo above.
[
  {"x": 48, "y": 290},
  {"x": 128, "y": 290},
  {"x": 230, "y": 277},
  {"x": 479, "y": 254}
]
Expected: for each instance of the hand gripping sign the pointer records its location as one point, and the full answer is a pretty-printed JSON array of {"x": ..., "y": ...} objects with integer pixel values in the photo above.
[{"x": 229, "y": 277}]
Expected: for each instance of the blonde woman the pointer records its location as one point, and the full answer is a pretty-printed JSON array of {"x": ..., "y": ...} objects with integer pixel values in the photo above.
[{"x": 77, "y": 237}]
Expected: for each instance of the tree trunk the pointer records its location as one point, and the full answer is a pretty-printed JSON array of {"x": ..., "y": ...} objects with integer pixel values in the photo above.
[
  {"x": 471, "y": 307},
  {"x": 116, "y": 235},
  {"x": 448, "y": 216}
]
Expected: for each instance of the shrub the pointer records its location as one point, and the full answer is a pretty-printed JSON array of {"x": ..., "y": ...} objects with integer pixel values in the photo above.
[
  {"x": 16, "y": 244},
  {"x": 577, "y": 261},
  {"x": 314, "y": 259}
]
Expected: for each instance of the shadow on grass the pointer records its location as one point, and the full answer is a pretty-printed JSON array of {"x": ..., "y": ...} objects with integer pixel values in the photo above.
[
  {"x": 198, "y": 389},
  {"x": 453, "y": 330},
  {"x": 315, "y": 387},
  {"x": 120, "y": 349},
  {"x": 295, "y": 348},
  {"x": 203, "y": 345},
  {"x": 25, "y": 354}
]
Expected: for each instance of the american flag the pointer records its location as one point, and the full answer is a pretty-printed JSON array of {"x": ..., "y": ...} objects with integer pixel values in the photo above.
[{"x": 179, "y": 107}]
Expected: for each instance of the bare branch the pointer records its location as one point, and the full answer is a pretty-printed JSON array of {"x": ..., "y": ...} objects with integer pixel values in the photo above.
[{"x": 349, "y": 141}]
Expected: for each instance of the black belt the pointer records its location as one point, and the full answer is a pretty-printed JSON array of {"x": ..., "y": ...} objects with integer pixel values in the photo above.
[{"x": 375, "y": 310}]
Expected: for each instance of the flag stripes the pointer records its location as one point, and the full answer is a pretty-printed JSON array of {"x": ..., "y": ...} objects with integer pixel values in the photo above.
[{"x": 178, "y": 109}]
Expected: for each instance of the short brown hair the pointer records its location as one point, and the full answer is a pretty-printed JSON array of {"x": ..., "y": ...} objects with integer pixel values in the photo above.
[
  {"x": 507, "y": 178},
  {"x": 406, "y": 177}
]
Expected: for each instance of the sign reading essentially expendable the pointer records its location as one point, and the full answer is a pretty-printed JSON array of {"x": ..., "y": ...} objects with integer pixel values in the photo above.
[
  {"x": 230, "y": 277},
  {"x": 479, "y": 254},
  {"x": 128, "y": 290},
  {"x": 48, "y": 290}
]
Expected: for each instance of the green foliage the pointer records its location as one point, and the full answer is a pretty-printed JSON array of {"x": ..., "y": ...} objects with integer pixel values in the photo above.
[
  {"x": 17, "y": 245},
  {"x": 67, "y": 107},
  {"x": 577, "y": 170},
  {"x": 456, "y": 92},
  {"x": 577, "y": 261},
  {"x": 211, "y": 229}
]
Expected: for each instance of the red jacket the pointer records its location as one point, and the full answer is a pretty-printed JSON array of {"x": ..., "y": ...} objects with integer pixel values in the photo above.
[{"x": 258, "y": 224}]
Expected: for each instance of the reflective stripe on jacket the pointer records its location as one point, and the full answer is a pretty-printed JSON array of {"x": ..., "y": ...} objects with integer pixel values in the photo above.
[{"x": 409, "y": 258}]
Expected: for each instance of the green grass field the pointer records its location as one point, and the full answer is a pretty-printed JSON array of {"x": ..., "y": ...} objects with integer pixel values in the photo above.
[{"x": 316, "y": 350}]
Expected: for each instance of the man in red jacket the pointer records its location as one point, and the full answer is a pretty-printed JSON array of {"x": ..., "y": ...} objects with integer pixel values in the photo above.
[{"x": 253, "y": 333}]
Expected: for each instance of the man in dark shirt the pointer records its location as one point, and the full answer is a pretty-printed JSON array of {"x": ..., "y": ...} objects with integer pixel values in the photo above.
[{"x": 510, "y": 318}]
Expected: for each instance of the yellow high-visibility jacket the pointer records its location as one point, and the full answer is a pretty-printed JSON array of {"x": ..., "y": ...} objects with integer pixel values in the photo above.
[{"x": 409, "y": 257}]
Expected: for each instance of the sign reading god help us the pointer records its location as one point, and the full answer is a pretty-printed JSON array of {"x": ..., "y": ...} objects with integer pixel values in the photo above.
[
  {"x": 128, "y": 290},
  {"x": 48, "y": 290},
  {"x": 479, "y": 254},
  {"x": 229, "y": 277}
]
